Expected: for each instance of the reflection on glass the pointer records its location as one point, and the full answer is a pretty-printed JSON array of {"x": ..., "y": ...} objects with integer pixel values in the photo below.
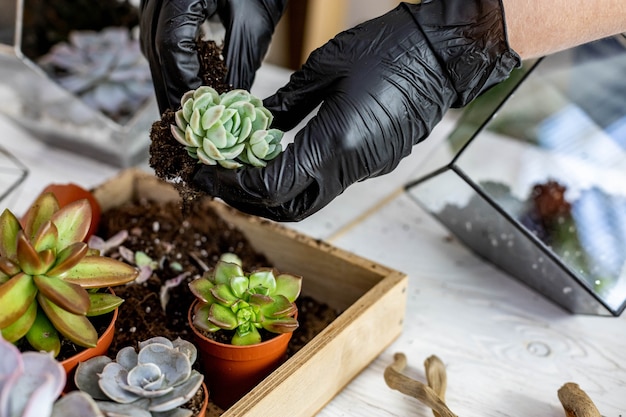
[{"x": 551, "y": 165}]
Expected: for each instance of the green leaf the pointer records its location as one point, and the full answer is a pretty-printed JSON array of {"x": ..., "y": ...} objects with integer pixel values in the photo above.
[
  {"x": 20, "y": 327},
  {"x": 187, "y": 107},
  {"x": 233, "y": 152},
  {"x": 229, "y": 163},
  {"x": 280, "y": 307},
  {"x": 289, "y": 286},
  {"x": 222, "y": 317},
  {"x": 9, "y": 226},
  {"x": 178, "y": 134},
  {"x": 68, "y": 296},
  {"x": 27, "y": 256},
  {"x": 103, "y": 303},
  {"x": 201, "y": 288},
  {"x": 201, "y": 319},
  {"x": 203, "y": 102},
  {"x": 224, "y": 271},
  {"x": 46, "y": 237},
  {"x": 246, "y": 129},
  {"x": 42, "y": 335},
  {"x": 204, "y": 90},
  {"x": 234, "y": 96},
  {"x": 283, "y": 325},
  {"x": 252, "y": 159},
  {"x": 40, "y": 212},
  {"x": 73, "y": 222},
  {"x": 224, "y": 295},
  {"x": 16, "y": 295},
  {"x": 195, "y": 122},
  {"x": 78, "y": 329},
  {"x": 191, "y": 138},
  {"x": 211, "y": 116},
  {"x": 261, "y": 121},
  {"x": 239, "y": 286},
  {"x": 8, "y": 268},
  {"x": 250, "y": 338},
  {"x": 100, "y": 272},
  {"x": 210, "y": 149},
  {"x": 217, "y": 135},
  {"x": 263, "y": 282},
  {"x": 68, "y": 258}
]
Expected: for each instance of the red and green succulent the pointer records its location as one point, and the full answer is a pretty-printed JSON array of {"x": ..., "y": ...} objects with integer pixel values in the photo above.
[
  {"x": 231, "y": 299},
  {"x": 49, "y": 277}
]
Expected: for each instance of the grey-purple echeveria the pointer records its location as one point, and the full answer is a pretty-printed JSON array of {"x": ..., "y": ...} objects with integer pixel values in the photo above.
[
  {"x": 158, "y": 378},
  {"x": 228, "y": 129}
]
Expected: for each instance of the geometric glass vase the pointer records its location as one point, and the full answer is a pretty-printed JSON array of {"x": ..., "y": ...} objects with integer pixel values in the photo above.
[
  {"x": 55, "y": 114},
  {"x": 533, "y": 178}
]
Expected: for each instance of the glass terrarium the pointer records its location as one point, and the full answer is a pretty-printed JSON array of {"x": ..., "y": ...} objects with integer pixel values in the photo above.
[
  {"x": 71, "y": 73},
  {"x": 538, "y": 187},
  {"x": 12, "y": 173}
]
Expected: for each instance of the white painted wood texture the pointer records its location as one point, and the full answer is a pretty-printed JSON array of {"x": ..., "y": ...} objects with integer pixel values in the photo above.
[{"x": 506, "y": 348}]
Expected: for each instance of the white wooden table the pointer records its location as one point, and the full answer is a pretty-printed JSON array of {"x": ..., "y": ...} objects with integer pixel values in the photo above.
[{"x": 507, "y": 349}]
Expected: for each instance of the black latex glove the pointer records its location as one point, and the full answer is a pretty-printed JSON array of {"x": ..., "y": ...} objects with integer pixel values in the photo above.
[
  {"x": 383, "y": 86},
  {"x": 169, "y": 29}
]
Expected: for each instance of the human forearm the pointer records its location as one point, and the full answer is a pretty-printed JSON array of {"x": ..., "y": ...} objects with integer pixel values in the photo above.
[{"x": 541, "y": 27}]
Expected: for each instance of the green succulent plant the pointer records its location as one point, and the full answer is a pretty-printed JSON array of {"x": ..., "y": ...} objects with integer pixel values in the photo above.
[
  {"x": 245, "y": 302},
  {"x": 49, "y": 277},
  {"x": 154, "y": 381},
  {"x": 230, "y": 129}
]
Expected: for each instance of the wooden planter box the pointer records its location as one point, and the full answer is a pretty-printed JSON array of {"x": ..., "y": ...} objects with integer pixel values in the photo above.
[{"x": 371, "y": 296}]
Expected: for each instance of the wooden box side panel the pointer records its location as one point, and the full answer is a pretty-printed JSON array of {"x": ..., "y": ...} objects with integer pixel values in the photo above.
[{"x": 312, "y": 377}]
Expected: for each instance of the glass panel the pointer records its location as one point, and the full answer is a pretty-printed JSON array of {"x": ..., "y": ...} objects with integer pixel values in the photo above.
[{"x": 554, "y": 159}]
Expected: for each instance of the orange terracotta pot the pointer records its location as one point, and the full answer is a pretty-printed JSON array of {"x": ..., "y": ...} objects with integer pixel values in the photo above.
[
  {"x": 68, "y": 193},
  {"x": 205, "y": 403},
  {"x": 232, "y": 371},
  {"x": 102, "y": 347}
]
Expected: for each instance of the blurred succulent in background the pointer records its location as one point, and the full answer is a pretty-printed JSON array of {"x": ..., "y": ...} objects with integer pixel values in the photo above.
[
  {"x": 49, "y": 276},
  {"x": 227, "y": 129},
  {"x": 233, "y": 300},
  {"x": 158, "y": 378},
  {"x": 30, "y": 384},
  {"x": 105, "y": 69}
]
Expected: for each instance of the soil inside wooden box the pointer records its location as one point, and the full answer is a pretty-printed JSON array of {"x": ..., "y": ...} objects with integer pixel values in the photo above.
[{"x": 184, "y": 243}]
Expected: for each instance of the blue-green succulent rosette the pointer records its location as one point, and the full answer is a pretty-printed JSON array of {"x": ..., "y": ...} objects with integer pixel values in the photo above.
[{"x": 229, "y": 129}]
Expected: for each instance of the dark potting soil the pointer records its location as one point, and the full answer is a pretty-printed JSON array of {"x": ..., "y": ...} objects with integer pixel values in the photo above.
[
  {"x": 184, "y": 243},
  {"x": 168, "y": 158}
]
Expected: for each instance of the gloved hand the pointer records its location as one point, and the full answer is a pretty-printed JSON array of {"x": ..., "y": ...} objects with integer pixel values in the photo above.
[
  {"x": 169, "y": 30},
  {"x": 383, "y": 86}
]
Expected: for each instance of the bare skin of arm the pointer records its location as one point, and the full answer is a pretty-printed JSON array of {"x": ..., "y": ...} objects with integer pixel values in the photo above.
[{"x": 541, "y": 27}]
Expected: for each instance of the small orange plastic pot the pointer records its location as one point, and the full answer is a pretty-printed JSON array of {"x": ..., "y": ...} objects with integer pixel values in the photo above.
[
  {"x": 232, "y": 371},
  {"x": 205, "y": 402},
  {"x": 101, "y": 348}
]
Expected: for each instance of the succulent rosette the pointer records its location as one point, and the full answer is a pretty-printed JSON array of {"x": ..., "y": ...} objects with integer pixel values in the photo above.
[
  {"x": 154, "y": 381},
  {"x": 233, "y": 300},
  {"x": 230, "y": 129},
  {"x": 49, "y": 276}
]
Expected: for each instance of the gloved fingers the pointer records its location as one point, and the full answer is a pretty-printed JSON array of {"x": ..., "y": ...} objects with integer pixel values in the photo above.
[
  {"x": 174, "y": 60},
  {"x": 249, "y": 29},
  {"x": 309, "y": 86}
]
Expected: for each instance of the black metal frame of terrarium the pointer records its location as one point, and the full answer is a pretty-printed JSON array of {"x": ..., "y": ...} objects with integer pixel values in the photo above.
[{"x": 533, "y": 177}]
